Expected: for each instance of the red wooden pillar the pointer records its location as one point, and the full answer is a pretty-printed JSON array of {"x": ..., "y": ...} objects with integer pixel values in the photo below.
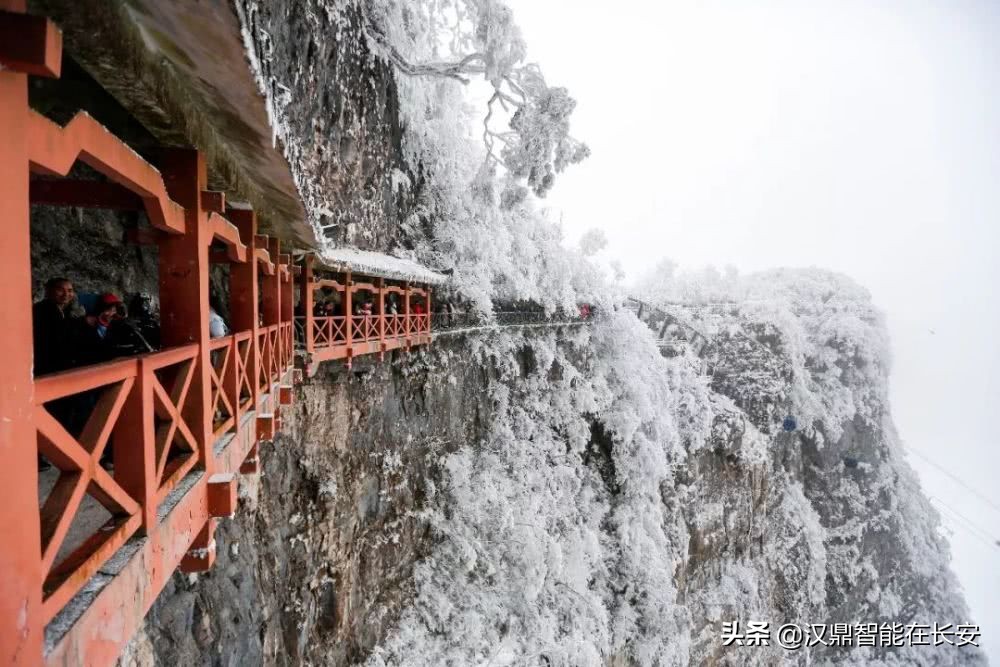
[
  {"x": 184, "y": 283},
  {"x": 348, "y": 316},
  {"x": 244, "y": 291},
  {"x": 287, "y": 303},
  {"x": 184, "y": 312},
  {"x": 406, "y": 313},
  {"x": 381, "y": 319},
  {"x": 21, "y": 627},
  {"x": 306, "y": 294},
  {"x": 271, "y": 304},
  {"x": 272, "y": 286},
  {"x": 427, "y": 327},
  {"x": 134, "y": 455}
]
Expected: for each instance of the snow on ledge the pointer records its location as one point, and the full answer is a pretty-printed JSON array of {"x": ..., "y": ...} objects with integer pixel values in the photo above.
[{"x": 378, "y": 265}]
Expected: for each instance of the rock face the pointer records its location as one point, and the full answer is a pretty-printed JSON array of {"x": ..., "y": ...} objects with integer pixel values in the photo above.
[
  {"x": 480, "y": 499},
  {"x": 338, "y": 101},
  {"x": 318, "y": 562}
]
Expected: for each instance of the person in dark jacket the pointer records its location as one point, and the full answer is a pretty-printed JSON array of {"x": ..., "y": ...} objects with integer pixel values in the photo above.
[
  {"x": 53, "y": 327},
  {"x": 52, "y": 335}
]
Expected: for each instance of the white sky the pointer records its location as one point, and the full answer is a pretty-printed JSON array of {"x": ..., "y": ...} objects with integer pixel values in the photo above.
[{"x": 858, "y": 136}]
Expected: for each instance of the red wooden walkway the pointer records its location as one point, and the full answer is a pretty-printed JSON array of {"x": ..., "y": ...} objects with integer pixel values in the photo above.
[{"x": 184, "y": 423}]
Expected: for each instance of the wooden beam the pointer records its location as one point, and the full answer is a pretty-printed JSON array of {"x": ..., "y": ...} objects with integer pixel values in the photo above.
[
  {"x": 30, "y": 45},
  {"x": 221, "y": 229},
  {"x": 84, "y": 194},
  {"x": 264, "y": 257},
  {"x": 214, "y": 202},
  {"x": 368, "y": 287},
  {"x": 53, "y": 150},
  {"x": 319, "y": 284}
]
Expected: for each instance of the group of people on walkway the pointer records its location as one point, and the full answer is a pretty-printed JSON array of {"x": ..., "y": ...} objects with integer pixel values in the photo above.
[
  {"x": 334, "y": 307},
  {"x": 66, "y": 336}
]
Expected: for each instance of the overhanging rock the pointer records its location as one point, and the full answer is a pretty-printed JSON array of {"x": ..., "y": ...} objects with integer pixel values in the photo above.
[{"x": 181, "y": 70}]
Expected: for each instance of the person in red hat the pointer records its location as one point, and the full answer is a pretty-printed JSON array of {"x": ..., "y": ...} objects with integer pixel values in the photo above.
[{"x": 99, "y": 339}]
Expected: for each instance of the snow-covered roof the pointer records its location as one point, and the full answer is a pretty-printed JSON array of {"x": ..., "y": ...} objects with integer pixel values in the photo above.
[{"x": 378, "y": 265}]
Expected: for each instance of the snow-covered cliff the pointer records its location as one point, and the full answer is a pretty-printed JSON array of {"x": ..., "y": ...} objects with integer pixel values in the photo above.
[
  {"x": 552, "y": 496},
  {"x": 624, "y": 505}
]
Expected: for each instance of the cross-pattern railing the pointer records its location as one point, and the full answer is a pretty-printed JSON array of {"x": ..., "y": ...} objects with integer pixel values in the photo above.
[
  {"x": 331, "y": 331},
  {"x": 231, "y": 394},
  {"x": 287, "y": 342},
  {"x": 110, "y": 536},
  {"x": 140, "y": 402},
  {"x": 268, "y": 341},
  {"x": 76, "y": 455},
  {"x": 363, "y": 327}
]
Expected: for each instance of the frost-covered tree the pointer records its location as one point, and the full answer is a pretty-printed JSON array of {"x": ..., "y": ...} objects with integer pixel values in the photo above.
[
  {"x": 617, "y": 270},
  {"x": 593, "y": 241},
  {"x": 478, "y": 39}
]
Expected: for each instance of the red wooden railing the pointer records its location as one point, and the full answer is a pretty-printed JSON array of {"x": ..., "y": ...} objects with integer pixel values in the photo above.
[
  {"x": 287, "y": 335},
  {"x": 395, "y": 326},
  {"x": 76, "y": 458},
  {"x": 141, "y": 403},
  {"x": 231, "y": 389},
  {"x": 168, "y": 416},
  {"x": 330, "y": 332},
  {"x": 268, "y": 368}
]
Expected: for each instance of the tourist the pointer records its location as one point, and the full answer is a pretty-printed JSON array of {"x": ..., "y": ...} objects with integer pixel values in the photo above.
[
  {"x": 52, "y": 322},
  {"x": 216, "y": 325}
]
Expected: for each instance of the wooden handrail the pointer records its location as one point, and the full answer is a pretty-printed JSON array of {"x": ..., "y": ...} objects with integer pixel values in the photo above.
[{"x": 78, "y": 380}]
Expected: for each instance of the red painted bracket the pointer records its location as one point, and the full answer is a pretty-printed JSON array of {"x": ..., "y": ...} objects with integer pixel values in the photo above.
[
  {"x": 267, "y": 426},
  {"x": 251, "y": 464},
  {"x": 30, "y": 44},
  {"x": 222, "y": 494},
  {"x": 200, "y": 559},
  {"x": 213, "y": 201},
  {"x": 285, "y": 394}
]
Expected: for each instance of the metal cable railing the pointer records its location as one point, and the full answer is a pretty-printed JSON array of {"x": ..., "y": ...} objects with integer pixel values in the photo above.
[{"x": 442, "y": 321}]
